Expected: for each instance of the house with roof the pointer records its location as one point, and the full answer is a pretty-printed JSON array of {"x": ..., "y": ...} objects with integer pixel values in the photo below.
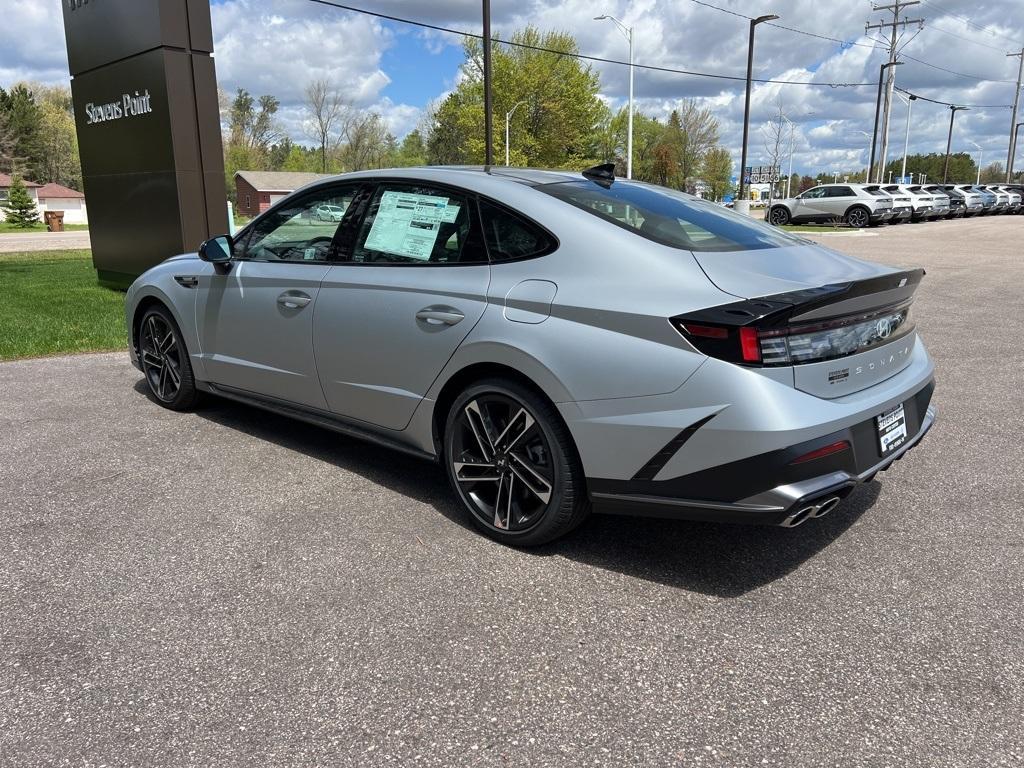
[
  {"x": 255, "y": 191},
  {"x": 50, "y": 197}
]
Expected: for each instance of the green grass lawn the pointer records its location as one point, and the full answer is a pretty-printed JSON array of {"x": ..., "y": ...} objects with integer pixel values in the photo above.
[
  {"x": 50, "y": 304},
  {"x": 39, "y": 227}
]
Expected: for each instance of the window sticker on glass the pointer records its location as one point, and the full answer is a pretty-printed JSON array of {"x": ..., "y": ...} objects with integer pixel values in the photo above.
[{"x": 407, "y": 224}]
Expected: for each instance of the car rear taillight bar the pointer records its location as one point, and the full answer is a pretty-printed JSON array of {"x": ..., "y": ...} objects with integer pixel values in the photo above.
[{"x": 763, "y": 332}]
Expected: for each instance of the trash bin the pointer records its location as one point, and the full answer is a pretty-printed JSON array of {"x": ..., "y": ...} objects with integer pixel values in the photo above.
[{"x": 54, "y": 221}]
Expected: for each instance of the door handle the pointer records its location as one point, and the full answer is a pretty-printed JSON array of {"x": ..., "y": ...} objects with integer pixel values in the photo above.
[
  {"x": 440, "y": 315},
  {"x": 293, "y": 300}
]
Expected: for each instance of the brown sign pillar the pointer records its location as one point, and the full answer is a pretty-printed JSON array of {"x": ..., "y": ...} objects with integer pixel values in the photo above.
[{"x": 148, "y": 121}]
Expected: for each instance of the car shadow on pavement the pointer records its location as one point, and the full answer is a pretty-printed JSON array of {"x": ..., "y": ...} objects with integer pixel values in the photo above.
[{"x": 715, "y": 559}]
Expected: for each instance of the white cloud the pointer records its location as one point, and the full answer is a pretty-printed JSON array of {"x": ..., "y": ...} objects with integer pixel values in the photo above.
[{"x": 277, "y": 46}]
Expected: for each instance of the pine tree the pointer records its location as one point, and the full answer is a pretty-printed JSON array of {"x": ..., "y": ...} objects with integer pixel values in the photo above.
[{"x": 19, "y": 207}]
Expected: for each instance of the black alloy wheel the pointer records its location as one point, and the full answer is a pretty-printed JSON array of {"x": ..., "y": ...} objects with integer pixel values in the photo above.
[
  {"x": 857, "y": 217},
  {"x": 779, "y": 216},
  {"x": 164, "y": 360},
  {"x": 511, "y": 460}
]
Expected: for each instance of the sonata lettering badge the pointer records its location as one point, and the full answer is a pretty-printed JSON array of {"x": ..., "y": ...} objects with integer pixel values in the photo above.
[{"x": 129, "y": 105}]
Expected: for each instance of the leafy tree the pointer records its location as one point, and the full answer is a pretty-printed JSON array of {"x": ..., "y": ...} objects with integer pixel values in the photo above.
[
  {"x": 8, "y": 156},
  {"x": 806, "y": 182},
  {"x": 59, "y": 161},
  {"x": 302, "y": 159},
  {"x": 412, "y": 151},
  {"x": 19, "y": 207},
  {"x": 553, "y": 126},
  {"x": 21, "y": 115},
  {"x": 961, "y": 167},
  {"x": 717, "y": 171}
]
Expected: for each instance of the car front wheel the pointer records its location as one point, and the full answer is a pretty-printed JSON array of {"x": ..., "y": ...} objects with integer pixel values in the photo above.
[
  {"x": 513, "y": 464},
  {"x": 165, "y": 361}
]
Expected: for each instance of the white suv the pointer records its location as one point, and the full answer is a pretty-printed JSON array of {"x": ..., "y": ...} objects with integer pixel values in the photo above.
[{"x": 852, "y": 204}]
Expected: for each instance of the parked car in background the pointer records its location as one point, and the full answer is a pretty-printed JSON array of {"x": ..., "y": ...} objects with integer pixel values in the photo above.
[
  {"x": 1002, "y": 198},
  {"x": 702, "y": 365},
  {"x": 973, "y": 202},
  {"x": 940, "y": 200},
  {"x": 329, "y": 213},
  {"x": 955, "y": 205},
  {"x": 920, "y": 202},
  {"x": 1016, "y": 198},
  {"x": 1002, "y": 193},
  {"x": 902, "y": 204},
  {"x": 850, "y": 203},
  {"x": 991, "y": 201}
]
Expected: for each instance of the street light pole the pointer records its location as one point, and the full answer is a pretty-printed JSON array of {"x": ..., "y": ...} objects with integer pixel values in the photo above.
[
  {"x": 508, "y": 117},
  {"x": 981, "y": 158},
  {"x": 878, "y": 109},
  {"x": 909, "y": 101},
  {"x": 628, "y": 32},
  {"x": 746, "y": 108},
  {"x": 949, "y": 140},
  {"x": 792, "y": 133}
]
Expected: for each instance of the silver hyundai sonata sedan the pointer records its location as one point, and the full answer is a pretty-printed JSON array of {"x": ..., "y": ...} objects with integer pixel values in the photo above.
[{"x": 562, "y": 342}]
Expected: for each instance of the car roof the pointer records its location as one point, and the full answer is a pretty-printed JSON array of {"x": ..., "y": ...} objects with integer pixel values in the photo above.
[{"x": 456, "y": 174}]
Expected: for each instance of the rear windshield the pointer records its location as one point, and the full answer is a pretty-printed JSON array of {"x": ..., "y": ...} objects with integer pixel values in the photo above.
[{"x": 669, "y": 217}]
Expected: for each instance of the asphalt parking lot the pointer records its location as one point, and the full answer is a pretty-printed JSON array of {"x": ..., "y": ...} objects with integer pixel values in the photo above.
[{"x": 230, "y": 588}]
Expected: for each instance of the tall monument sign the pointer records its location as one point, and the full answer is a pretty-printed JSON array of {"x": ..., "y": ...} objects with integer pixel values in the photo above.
[{"x": 146, "y": 111}]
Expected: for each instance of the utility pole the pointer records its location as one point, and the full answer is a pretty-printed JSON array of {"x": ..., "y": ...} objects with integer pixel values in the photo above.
[
  {"x": 1013, "y": 120},
  {"x": 488, "y": 117},
  {"x": 892, "y": 26}
]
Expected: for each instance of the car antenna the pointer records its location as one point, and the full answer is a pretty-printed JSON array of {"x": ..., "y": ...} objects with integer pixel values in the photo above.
[{"x": 603, "y": 174}]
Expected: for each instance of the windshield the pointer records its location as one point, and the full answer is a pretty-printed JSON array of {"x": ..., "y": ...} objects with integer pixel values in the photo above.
[{"x": 670, "y": 217}]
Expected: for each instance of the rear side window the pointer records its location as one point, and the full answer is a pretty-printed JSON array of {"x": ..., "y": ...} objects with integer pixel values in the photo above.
[
  {"x": 669, "y": 217},
  {"x": 839, "y": 192},
  {"x": 510, "y": 237},
  {"x": 417, "y": 224}
]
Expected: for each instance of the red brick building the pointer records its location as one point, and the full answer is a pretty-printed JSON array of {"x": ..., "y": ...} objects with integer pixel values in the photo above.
[{"x": 255, "y": 191}]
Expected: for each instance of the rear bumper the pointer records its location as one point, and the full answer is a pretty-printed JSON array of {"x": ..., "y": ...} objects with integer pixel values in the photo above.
[{"x": 768, "y": 489}]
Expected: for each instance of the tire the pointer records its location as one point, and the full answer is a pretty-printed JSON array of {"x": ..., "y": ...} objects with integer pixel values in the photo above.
[
  {"x": 165, "y": 361},
  {"x": 858, "y": 217},
  {"x": 507, "y": 450},
  {"x": 779, "y": 216}
]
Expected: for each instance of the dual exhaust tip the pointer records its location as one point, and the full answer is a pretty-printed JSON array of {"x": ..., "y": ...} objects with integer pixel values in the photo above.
[{"x": 815, "y": 509}]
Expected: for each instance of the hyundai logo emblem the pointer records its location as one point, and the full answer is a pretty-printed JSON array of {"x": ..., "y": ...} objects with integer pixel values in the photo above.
[{"x": 883, "y": 328}]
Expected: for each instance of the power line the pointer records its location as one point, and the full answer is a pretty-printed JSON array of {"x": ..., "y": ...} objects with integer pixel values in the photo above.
[
  {"x": 958, "y": 74},
  {"x": 845, "y": 43},
  {"x": 950, "y": 104},
  {"x": 970, "y": 23},
  {"x": 585, "y": 57},
  {"x": 961, "y": 37}
]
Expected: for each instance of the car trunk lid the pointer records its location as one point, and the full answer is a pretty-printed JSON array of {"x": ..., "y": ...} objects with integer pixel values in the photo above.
[{"x": 828, "y": 324}]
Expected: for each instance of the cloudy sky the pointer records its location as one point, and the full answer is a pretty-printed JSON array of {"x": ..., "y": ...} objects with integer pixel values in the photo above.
[{"x": 277, "y": 46}]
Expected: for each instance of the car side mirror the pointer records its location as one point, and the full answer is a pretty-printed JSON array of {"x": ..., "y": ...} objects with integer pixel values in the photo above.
[{"x": 217, "y": 250}]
